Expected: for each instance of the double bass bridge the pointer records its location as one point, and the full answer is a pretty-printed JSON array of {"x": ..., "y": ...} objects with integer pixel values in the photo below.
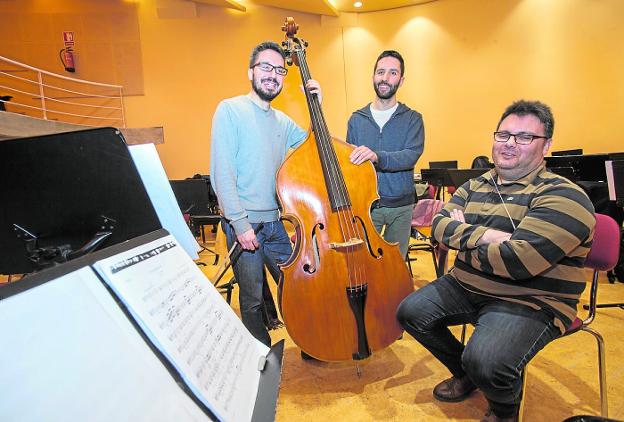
[{"x": 345, "y": 245}]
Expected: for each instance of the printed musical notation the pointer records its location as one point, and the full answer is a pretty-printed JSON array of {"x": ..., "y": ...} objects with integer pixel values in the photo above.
[{"x": 185, "y": 317}]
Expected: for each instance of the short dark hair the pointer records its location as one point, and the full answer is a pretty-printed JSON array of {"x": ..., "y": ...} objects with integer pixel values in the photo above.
[
  {"x": 267, "y": 45},
  {"x": 534, "y": 108},
  {"x": 391, "y": 53}
]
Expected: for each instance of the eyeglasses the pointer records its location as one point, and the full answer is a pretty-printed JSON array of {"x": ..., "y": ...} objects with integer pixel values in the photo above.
[
  {"x": 519, "y": 138},
  {"x": 268, "y": 67}
]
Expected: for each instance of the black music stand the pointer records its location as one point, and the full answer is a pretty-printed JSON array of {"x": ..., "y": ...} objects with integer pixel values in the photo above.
[
  {"x": 67, "y": 194},
  {"x": 460, "y": 176},
  {"x": 437, "y": 177},
  {"x": 561, "y": 153},
  {"x": 588, "y": 168},
  {"x": 193, "y": 198},
  {"x": 451, "y": 164}
]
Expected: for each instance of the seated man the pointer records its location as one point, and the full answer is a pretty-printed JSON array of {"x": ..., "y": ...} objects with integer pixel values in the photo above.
[{"x": 522, "y": 235}]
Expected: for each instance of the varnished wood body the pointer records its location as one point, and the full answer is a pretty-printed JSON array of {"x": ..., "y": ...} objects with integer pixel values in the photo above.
[{"x": 314, "y": 306}]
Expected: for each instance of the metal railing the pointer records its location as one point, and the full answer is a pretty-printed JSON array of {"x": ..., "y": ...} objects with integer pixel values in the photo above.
[{"x": 47, "y": 95}]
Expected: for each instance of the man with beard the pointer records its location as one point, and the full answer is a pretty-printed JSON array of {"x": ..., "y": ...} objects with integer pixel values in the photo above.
[
  {"x": 249, "y": 143},
  {"x": 392, "y": 137},
  {"x": 522, "y": 234}
]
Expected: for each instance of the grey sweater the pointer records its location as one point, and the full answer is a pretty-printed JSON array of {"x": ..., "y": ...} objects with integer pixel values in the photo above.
[{"x": 248, "y": 146}]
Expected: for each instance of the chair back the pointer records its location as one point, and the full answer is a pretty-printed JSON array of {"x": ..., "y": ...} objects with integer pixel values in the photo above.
[
  {"x": 424, "y": 211},
  {"x": 605, "y": 250}
]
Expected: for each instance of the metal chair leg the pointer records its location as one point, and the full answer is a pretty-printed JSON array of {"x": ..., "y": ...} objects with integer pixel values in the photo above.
[
  {"x": 602, "y": 371},
  {"x": 522, "y": 393},
  {"x": 435, "y": 261},
  {"x": 409, "y": 262}
]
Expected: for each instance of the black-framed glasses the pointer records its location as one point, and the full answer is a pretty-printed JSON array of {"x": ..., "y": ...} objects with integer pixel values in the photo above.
[
  {"x": 268, "y": 67},
  {"x": 520, "y": 138}
]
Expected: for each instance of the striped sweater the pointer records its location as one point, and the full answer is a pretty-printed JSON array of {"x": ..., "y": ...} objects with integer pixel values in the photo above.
[{"x": 541, "y": 266}]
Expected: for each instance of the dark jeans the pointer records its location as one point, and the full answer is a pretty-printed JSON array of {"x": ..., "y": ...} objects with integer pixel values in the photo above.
[
  {"x": 506, "y": 336},
  {"x": 248, "y": 269}
]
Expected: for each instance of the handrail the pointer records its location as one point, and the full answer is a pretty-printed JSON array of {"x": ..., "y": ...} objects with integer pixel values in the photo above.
[
  {"x": 94, "y": 103},
  {"x": 56, "y": 75}
]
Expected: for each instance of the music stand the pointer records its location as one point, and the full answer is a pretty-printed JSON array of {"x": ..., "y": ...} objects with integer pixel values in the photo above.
[
  {"x": 193, "y": 198},
  {"x": 587, "y": 168},
  {"x": 66, "y": 194},
  {"x": 437, "y": 177},
  {"x": 561, "y": 153},
  {"x": 460, "y": 176},
  {"x": 451, "y": 164}
]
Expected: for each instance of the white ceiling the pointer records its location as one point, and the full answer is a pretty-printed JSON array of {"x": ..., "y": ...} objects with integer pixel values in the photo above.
[{"x": 320, "y": 7}]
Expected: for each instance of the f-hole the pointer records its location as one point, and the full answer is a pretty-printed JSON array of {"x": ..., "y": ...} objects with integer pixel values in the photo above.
[
  {"x": 311, "y": 269},
  {"x": 379, "y": 251}
]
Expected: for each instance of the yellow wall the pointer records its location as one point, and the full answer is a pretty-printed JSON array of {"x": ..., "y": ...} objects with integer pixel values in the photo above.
[
  {"x": 468, "y": 59},
  {"x": 192, "y": 64},
  {"x": 465, "y": 61},
  {"x": 106, "y": 33}
]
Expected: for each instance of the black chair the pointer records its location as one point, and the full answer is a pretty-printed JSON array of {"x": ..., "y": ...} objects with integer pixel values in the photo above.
[
  {"x": 194, "y": 202},
  {"x": 481, "y": 162},
  {"x": 422, "y": 216}
]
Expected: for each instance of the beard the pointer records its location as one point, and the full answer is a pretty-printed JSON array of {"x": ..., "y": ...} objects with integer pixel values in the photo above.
[
  {"x": 389, "y": 94},
  {"x": 265, "y": 95}
]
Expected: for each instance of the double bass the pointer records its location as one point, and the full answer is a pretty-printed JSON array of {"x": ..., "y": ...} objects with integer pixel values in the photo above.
[{"x": 341, "y": 287}]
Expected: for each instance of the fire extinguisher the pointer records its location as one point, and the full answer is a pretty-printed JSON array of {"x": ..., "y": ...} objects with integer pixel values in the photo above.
[{"x": 67, "y": 58}]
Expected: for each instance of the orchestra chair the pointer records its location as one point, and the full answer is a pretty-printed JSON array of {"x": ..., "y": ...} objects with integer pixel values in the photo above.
[
  {"x": 422, "y": 218},
  {"x": 199, "y": 209},
  {"x": 603, "y": 256}
]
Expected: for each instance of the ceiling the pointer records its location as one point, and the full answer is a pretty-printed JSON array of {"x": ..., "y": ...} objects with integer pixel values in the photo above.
[{"x": 319, "y": 7}]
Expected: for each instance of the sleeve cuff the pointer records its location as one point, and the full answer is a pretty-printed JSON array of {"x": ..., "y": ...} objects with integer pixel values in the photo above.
[
  {"x": 241, "y": 226},
  {"x": 475, "y": 236},
  {"x": 382, "y": 160}
]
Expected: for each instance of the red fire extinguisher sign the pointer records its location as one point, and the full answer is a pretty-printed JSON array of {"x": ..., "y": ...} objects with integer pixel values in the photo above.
[{"x": 68, "y": 38}]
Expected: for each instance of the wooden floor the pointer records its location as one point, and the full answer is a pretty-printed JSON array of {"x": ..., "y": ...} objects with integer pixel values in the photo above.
[{"x": 396, "y": 383}]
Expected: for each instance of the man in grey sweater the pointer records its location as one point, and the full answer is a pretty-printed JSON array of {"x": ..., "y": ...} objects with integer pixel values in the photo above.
[
  {"x": 392, "y": 137},
  {"x": 249, "y": 142}
]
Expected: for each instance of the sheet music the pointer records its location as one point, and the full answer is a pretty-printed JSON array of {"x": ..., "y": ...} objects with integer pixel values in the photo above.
[
  {"x": 159, "y": 190},
  {"x": 189, "y": 321},
  {"x": 70, "y": 354}
]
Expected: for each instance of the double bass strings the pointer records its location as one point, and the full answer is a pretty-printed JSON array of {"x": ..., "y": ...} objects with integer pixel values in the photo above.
[{"x": 345, "y": 213}]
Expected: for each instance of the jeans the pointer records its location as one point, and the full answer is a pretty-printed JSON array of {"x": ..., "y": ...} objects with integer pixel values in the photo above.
[
  {"x": 398, "y": 222},
  {"x": 506, "y": 337},
  {"x": 275, "y": 248}
]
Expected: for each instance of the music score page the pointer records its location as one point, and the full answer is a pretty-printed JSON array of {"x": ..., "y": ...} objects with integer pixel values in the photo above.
[{"x": 187, "y": 319}]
